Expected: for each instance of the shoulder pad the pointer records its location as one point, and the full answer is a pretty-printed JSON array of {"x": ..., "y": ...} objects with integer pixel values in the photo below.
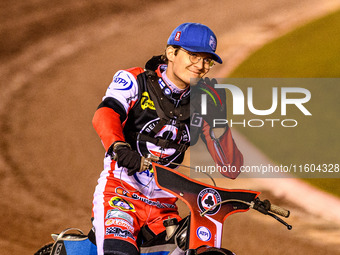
[{"x": 135, "y": 71}]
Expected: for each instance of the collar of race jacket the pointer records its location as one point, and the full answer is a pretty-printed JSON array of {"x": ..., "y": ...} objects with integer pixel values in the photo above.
[{"x": 170, "y": 90}]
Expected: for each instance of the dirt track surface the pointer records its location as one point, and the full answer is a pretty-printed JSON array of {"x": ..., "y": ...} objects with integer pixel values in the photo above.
[{"x": 57, "y": 58}]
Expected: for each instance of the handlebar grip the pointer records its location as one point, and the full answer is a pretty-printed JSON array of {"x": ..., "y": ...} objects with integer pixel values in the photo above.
[{"x": 279, "y": 211}]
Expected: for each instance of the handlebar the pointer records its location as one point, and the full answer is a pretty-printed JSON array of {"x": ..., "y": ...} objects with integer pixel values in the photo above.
[
  {"x": 267, "y": 208},
  {"x": 264, "y": 206},
  {"x": 279, "y": 211}
]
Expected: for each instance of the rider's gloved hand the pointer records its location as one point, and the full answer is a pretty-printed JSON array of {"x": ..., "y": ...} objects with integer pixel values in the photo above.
[
  {"x": 128, "y": 158},
  {"x": 216, "y": 100}
]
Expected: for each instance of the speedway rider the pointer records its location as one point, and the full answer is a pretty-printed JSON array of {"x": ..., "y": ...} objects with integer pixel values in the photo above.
[{"x": 146, "y": 111}]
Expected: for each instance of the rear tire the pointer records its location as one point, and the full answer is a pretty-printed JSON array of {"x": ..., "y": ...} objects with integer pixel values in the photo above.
[{"x": 45, "y": 250}]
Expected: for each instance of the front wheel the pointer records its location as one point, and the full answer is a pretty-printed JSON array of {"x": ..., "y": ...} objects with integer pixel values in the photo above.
[
  {"x": 213, "y": 251},
  {"x": 45, "y": 250}
]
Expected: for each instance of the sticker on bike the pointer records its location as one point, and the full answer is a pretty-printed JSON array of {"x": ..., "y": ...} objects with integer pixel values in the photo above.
[
  {"x": 207, "y": 200},
  {"x": 204, "y": 234}
]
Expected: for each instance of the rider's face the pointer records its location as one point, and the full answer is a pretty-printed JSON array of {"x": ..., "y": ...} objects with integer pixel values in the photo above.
[{"x": 180, "y": 69}]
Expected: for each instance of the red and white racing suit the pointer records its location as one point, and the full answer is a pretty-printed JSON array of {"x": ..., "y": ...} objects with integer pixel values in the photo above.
[{"x": 123, "y": 204}]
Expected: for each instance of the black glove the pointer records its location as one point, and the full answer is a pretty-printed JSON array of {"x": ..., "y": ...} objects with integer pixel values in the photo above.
[
  {"x": 216, "y": 100},
  {"x": 126, "y": 157}
]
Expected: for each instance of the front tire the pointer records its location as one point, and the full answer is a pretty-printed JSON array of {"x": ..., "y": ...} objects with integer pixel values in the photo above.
[{"x": 214, "y": 251}]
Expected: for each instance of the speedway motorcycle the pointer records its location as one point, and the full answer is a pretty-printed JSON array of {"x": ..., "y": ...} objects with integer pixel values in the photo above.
[{"x": 198, "y": 233}]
